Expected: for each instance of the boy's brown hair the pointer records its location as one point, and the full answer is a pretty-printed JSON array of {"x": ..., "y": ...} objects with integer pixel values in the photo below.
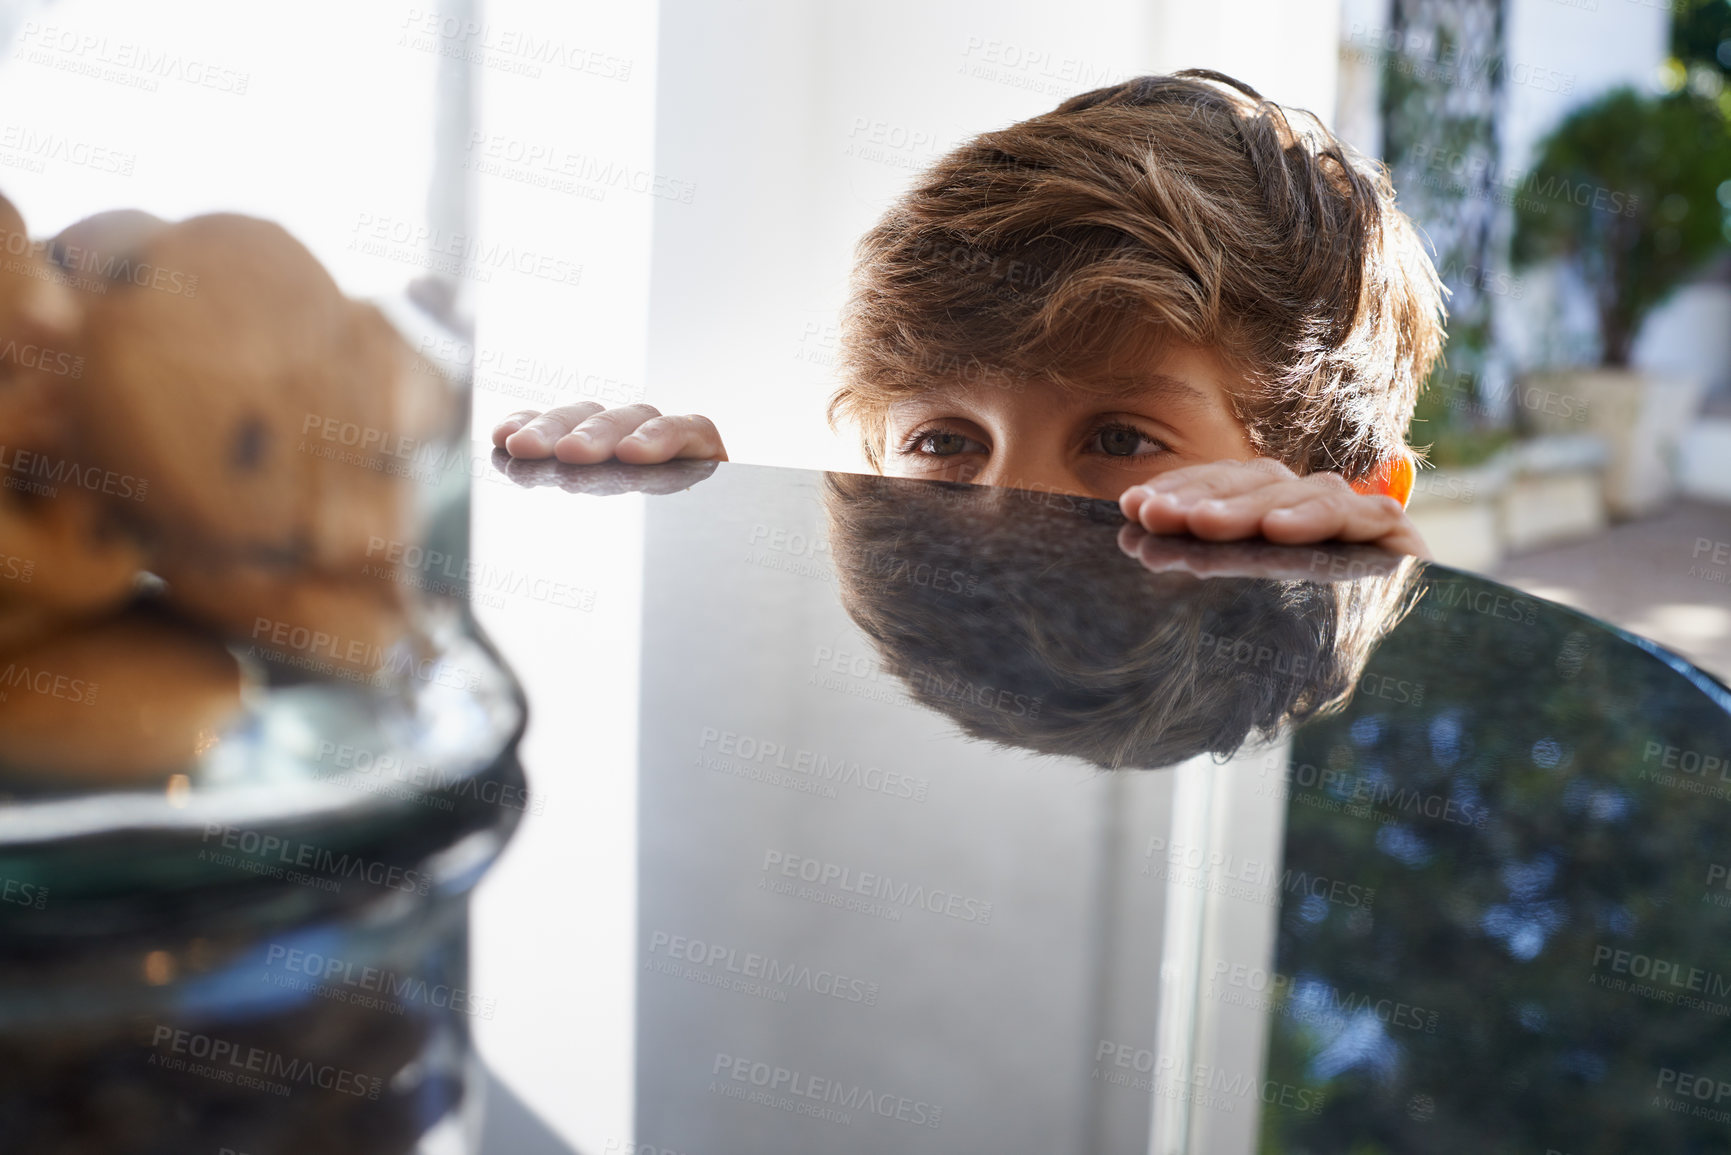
[{"x": 1187, "y": 207}]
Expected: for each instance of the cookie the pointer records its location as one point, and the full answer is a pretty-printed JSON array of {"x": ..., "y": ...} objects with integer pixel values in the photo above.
[
  {"x": 62, "y": 557},
  {"x": 126, "y": 699},
  {"x": 100, "y": 249},
  {"x": 325, "y": 627},
  {"x": 276, "y": 421},
  {"x": 35, "y": 304},
  {"x": 39, "y": 318},
  {"x": 62, "y": 554}
]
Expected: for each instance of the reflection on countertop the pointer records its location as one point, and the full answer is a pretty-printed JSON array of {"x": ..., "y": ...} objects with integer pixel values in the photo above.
[{"x": 1435, "y": 865}]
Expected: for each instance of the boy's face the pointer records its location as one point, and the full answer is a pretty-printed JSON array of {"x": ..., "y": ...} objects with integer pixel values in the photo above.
[{"x": 1040, "y": 436}]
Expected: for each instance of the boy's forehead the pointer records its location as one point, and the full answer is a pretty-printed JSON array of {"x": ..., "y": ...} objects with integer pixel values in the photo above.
[{"x": 1166, "y": 388}]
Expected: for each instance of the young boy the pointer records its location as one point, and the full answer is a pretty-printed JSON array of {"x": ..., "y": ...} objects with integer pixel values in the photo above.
[{"x": 1170, "y": 293}]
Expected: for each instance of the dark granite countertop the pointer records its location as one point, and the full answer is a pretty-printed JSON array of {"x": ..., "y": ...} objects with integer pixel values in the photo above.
[{"x": 971, "y": 820}]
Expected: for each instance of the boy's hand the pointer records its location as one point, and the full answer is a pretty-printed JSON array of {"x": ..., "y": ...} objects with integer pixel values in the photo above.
[
  {"x": 1234, "y": 500},
  {"x": 587, "y": 433}
]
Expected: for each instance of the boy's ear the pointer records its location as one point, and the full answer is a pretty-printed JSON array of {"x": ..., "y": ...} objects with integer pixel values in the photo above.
[{"x": 1394, "y": 477}]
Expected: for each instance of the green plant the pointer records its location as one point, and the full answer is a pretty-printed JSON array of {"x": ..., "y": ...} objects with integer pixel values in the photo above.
[
  {"x": 1628, "y": 190},
  {"x": 1701, "y": 34},
  {"x": 1449, "y": 441}
]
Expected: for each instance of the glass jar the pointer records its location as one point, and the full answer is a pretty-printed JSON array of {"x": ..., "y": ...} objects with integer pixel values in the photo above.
[{"x": 254, "y": 753}]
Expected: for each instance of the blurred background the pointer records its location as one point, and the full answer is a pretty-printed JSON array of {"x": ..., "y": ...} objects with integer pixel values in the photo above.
[{"x": 659, "y": 202}]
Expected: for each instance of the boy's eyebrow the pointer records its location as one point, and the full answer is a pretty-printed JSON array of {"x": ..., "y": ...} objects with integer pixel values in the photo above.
[{"x": 1161, "y": 387}]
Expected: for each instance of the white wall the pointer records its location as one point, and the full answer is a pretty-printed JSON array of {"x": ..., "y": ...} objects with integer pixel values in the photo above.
[
  {"x": 1287, "y": 51},
  {"x": 566, "y": 166},
  {"x": 1689, "y": 337},
  {"x": 801, "y": 122}
]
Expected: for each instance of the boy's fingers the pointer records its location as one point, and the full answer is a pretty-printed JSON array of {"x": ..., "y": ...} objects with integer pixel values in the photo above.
[
  {"x": 1220, "y": 478},
  {"x": 1242, "y": 515},
  {"x": 511, "y": 424},
  {"x": 540, "y": 434},
  {"x": 1371, "y": 518},
  {"x": 1171, "y": 498},
  {"x": 665, "y": 438},
  {"x": 587, "y": 433},
  {"x": 1300, "y": 511},
  {"x": 1162, "y": 503},
  {"x": 1244, "y": 495},
  {"x": 596, "y": 438},
  {"x": 1328, "y": 518},
  {"x": 1155, "y": 512}
]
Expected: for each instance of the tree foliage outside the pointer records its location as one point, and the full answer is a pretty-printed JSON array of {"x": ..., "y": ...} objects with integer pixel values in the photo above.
[
  {"x": 1545, "y": 803},
  {"x": 1634, "y": 193},
  {"x": 1701, "y": 42}
]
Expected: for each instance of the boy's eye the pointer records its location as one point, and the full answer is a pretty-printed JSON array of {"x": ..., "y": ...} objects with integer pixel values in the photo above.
[
  {"x": 1124, "y": 441},
  {"x": 943, "y": 443}
]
